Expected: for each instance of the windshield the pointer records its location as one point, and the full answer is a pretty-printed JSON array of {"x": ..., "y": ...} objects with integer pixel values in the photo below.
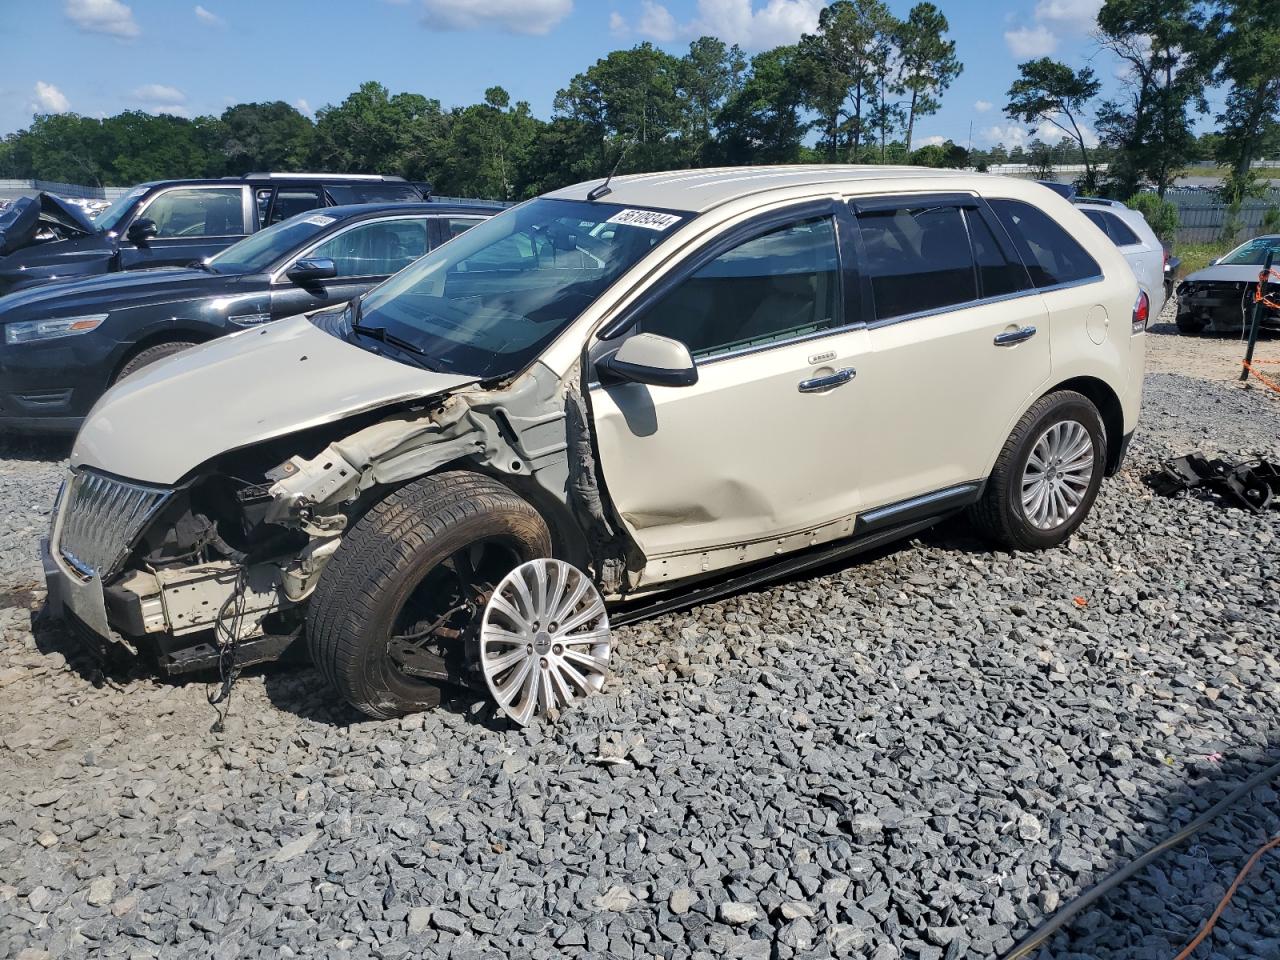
[
  {"x": 255, "y": 253},
  {"x": 488, "y": 302},
  {"x": 106, "y": 221},
  {"x": 1253, "y": 252}
]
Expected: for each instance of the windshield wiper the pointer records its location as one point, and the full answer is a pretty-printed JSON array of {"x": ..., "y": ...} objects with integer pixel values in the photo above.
[{"x": 381, "y": 334}]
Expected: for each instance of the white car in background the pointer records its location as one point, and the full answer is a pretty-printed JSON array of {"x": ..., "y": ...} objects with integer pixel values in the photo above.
[{"x": 1128, "y": 229}]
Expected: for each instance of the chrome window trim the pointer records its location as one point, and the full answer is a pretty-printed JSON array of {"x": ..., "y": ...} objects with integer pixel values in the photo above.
[
  {"x": 248, "y": 211},
  {"x": 982, "y": 302},
  {"x": 763, "y": 347}
]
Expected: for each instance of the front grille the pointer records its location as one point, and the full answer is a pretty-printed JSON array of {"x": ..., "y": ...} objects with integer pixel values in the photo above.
[{"x": 101, "y": 519}]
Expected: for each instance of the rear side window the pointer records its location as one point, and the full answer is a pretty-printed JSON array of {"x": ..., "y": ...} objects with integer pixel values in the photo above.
[
  {"x": 1051, "y": 254},
  {"x": 372, "y": 192},
  {"x": 918, "y": 259},
  {"x": 775, "y": 287},
  {"x": 1000, "y": 271},
  {"x": 1113, "y": 227},
  {"x": 291, "y": 201}
]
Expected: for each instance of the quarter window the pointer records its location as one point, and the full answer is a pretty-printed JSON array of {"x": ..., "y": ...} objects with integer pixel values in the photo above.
[
  {"x": 1113, "y": 227},
  {"x": 1051, "y": 254},
  {"x": 774, "y": 287},
  {"x": 456, "y": 225},
  {"x": 198, "y": 212},
  {"x": 1000, "y": 272},
  {"x": 376, "y": 249}
]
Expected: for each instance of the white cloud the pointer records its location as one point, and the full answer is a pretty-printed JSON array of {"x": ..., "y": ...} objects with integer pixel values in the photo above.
[
  {"x": 534, "y": 17},
  {"x": 1014, "y": 136},
  {"x": 49, "y": 99},
  {"x": 933, "y": 141},
  {"x": 982, "y": 106},
  {"x": 303, "y": 107},
  {"x": 738, "y": 21},
  {"x": 1027, "y": 43},
  {"x": 1011, "y": 136},
  {"x": 208, "y": 17},
  {"x": 733, "y": 21},
  {"x": 1078, "y": 16},
  {"x": 158, "y": 93},
  {"x": 102, "y": 16}
]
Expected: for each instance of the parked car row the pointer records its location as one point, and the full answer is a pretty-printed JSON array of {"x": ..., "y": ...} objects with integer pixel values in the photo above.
[
  {"x": 1219, "y": 298},
  {"x": 605, "y": 397}
]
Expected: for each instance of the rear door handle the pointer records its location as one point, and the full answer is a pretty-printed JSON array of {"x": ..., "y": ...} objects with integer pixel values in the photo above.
[
  {"x": 1010, "y": 337},
  {"x": 837, "y": 379}
]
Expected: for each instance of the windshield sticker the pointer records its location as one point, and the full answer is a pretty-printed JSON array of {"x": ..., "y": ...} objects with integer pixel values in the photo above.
[
  {"x": 320, "y": 220},
  {"x": 648, "y": 219}
]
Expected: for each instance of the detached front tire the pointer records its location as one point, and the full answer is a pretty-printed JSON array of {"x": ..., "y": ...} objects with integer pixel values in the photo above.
[
  {"x": 1047, "y": 476},
  {"x": 404, "y": 590}
]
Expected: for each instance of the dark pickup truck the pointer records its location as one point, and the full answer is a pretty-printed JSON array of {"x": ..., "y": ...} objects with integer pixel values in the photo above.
[{"x": 168, "y": 222}]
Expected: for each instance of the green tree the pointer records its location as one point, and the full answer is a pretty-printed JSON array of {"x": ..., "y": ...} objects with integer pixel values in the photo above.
[
  {"x": 1047, "y": 90},
  {"x": 141, "y": 147},
  {"x": 708, "y": 75},
  {"x": 763, "y": 120},
  {"x": 264, "y": 136},
  {"x": 372, "y": 131},
  {"x": 1246, "y": 57},
  {"x": 843, "y": 68},
  {"x": 927, "y": 62},
  {"x": 1159, "y": 213},
  {"x": 488, "y": 146},
  {"x": 66, "y": 147},
  {"x": 1149, "y": 126}
]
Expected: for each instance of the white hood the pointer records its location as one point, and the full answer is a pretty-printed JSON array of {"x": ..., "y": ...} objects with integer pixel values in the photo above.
[{"x": 165, "y": 420}]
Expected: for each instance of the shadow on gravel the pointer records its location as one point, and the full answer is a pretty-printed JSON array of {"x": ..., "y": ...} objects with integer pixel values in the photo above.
[
  {"x": 1156, "y": 912},
  {"x": 50, "y": 449}
]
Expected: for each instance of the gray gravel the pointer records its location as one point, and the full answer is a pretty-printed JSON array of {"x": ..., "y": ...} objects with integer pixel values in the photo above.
[{"x": 916, "y": 755}]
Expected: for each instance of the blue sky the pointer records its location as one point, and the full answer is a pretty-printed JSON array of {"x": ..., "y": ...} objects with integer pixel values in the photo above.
[{"x": 97, "y": 57}]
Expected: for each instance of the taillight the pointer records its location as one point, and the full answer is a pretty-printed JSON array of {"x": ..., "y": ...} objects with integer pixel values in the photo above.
[{"x": 1141, "y": 312}]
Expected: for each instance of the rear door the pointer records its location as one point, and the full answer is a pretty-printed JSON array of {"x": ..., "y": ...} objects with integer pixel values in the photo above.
[
  {"x": 1144, "y": 255},
  {"x": 364, "y": 253},
  {"x": 760, "y": 456},
  {"x": 191, "y": 223},
  {"x": 958, "y": 346}
]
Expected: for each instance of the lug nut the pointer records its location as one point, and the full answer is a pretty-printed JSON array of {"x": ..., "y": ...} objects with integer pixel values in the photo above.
[
  {"x": 553, "y": 626},
  {"x": 557, "y": 649},
  {"x": 529, "y": 648},
  {"x": 544, "y": 663}
]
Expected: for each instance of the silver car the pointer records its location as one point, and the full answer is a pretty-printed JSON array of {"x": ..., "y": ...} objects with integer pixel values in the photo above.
[
  {"x": 1128, "y": 229},
  {"x": 1219, "y": 298}
]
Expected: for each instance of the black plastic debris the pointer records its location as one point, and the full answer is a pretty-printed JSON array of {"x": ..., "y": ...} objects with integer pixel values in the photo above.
[{"x": 1252, "y": 484}]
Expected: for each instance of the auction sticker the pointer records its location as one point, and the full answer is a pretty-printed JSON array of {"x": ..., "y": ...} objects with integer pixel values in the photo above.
[
  {"x": 320, "y": 220},
  {"x": 649, "y": 219}
]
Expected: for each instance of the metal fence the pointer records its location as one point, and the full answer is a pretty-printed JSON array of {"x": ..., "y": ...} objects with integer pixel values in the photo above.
[
  {"x": 13, "y": 189},
  {"x": 1202, "y": 215}
]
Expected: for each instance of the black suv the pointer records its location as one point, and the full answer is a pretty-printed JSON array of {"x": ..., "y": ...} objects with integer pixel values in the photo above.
[{"x": 168, "y": 222}]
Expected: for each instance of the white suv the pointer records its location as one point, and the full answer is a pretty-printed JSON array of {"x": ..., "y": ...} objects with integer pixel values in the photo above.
[
  {"x": 649, "y": 381},
  {"x": 1128, "y": 229}
]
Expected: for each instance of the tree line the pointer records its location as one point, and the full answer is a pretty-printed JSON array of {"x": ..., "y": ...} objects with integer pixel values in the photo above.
[{"x": 853, "y": 91}]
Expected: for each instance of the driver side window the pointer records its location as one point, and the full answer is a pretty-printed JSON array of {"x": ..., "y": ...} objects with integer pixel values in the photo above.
[
  {"x": 198, "y": 212},
  {"x": 778, "y": 286}
]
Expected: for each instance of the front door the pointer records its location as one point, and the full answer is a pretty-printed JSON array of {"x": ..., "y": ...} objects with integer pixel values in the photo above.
[
  {"x": 758, "y": 457},
  {"x": 191, "y": 223},
  {"x": 364, "y": 254},
  {"x": 958, "y": 349}
]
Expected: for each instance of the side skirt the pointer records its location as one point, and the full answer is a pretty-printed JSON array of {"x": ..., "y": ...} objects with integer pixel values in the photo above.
[{"x": 883, "y": 525}]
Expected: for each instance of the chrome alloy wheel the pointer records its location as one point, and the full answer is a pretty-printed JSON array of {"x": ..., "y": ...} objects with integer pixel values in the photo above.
[
  {"x": 1057, "y": 475},
  {"x": 544, "y": 639}
]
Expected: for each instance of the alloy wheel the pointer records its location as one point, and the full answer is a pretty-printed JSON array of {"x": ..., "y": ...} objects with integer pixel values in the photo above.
[{"x": 1057, "y": 475}]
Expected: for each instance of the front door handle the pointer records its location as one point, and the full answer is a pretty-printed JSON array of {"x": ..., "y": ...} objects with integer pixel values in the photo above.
[
  {"x": 1010, "y": 337},
  {"x": 837, "y": 379}
]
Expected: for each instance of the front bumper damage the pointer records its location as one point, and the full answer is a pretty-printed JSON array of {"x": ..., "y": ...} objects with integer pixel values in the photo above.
[{"x": 1222, "y": 306}]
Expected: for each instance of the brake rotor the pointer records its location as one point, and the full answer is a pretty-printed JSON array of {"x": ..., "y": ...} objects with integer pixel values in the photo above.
[{"x": 544, "y": 639}]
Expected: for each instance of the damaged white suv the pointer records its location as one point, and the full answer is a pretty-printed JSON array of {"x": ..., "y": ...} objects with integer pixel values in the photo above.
[{"x": 603, "y": 400}]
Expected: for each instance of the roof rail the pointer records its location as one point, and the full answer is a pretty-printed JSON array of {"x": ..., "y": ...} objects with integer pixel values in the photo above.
[
  {"x": 323, "y": 176},
  {"x": 1099, "y": 200}
]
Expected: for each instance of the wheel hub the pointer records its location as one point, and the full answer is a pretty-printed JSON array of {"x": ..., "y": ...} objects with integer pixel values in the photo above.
[
  {"x": 544, "y": 639},
  {"x": 1057, "y": 475}
]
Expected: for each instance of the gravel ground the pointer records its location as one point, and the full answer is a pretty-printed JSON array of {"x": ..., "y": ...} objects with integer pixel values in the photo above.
[{"x": 916, "y": 755}]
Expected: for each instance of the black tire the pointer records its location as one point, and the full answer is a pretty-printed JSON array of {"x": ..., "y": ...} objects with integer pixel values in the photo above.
[
  {"x": 1188, "y": 325},
  {"x": 1000, "y": 515},
  {"x": 150, "y": 355},
  {"x": 367, "y": 586}
]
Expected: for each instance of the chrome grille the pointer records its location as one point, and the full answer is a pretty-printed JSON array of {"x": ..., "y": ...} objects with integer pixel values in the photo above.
[{"x": 101, "y": 519}]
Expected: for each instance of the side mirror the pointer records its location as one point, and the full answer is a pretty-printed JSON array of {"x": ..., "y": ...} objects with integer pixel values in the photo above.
[
  {"x": 306, "y": 271},
  {"x": 649, "y": 358},
  {"x": 142, "y": 230}
]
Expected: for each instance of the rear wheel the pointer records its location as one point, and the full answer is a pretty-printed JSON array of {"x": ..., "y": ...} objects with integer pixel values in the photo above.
[
  {"x": 1189, "y": 325},
  {"x": 150, "y": 355},
  {"x": 393, "y": 620},
  {"x": 1047, "y": 476}
]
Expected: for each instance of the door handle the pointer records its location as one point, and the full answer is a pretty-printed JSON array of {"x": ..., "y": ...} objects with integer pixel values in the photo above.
[
  {"x": 1009, "y": 338},
  {"x": 837, "y": 379}
]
